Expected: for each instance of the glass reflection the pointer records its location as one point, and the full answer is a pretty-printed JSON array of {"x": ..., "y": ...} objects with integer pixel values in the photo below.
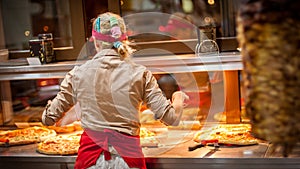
[
  {"x": 183, "y": 17},
  {"x": 24, "y": 20}
]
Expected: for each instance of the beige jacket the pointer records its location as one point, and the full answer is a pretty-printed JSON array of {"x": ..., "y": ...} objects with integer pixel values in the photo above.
[{"x": 110, "y": 92}]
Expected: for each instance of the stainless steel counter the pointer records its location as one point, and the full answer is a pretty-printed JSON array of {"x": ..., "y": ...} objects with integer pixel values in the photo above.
[{"x": 171, "y": 154}]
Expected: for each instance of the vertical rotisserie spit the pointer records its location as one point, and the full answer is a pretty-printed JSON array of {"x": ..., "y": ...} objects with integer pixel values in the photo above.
[{"x": 269, "y": 35}]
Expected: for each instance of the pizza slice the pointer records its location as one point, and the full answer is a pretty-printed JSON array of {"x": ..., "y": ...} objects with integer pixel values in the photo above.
[
  {"x": 147, "y": 138},
  {"x": 25, "y": 136},
  {"x": 75, "y": 126}
]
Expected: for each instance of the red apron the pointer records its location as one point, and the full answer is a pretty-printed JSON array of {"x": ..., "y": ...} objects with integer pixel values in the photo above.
[{"x": 93, "y": 143}]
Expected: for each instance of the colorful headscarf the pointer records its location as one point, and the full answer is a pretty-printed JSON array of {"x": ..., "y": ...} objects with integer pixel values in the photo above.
[{"x": 115, "y": 36}]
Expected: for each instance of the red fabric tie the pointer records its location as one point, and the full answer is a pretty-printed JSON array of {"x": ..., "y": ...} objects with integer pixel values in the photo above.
[{"x": 108, "y": 38}]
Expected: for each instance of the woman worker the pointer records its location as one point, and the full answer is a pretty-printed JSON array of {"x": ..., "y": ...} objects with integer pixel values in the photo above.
[{"x": 109, "y": 89}]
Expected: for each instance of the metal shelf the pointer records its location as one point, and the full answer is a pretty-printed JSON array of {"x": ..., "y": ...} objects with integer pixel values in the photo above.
[{"x": 156, "y": 64}]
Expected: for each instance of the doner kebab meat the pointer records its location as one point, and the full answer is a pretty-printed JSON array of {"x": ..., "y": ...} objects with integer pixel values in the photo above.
[{"x": 269, "y": 36}]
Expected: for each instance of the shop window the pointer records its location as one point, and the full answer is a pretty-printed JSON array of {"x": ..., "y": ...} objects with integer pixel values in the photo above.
[{"x": 21, "y": 21}]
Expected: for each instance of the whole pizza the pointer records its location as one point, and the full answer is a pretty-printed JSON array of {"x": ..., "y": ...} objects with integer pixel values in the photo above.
[
  {"x": 60, "y": 145},
  {"x": 25, "y": 136},
  {"x": 233, "y": 134}
]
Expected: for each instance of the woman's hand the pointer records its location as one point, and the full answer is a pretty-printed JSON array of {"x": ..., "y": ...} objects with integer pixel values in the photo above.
[{"x": 179, "y": 97}]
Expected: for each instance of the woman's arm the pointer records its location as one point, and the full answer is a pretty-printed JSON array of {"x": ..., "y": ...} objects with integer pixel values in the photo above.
[
  {"x": 63, "y": 101},
  {"x": 166, "y": 111}
]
